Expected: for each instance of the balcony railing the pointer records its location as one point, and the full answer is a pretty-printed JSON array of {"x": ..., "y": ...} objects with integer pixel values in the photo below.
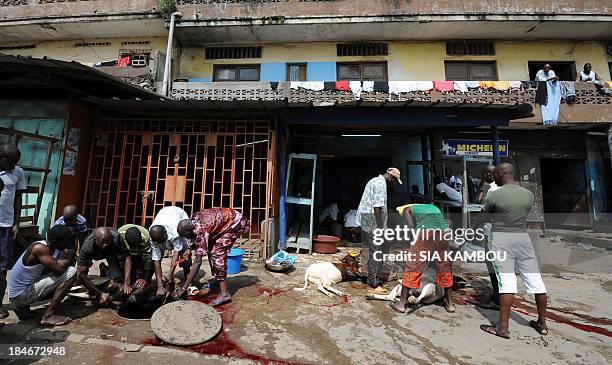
[{"x": 309, "y": 93}]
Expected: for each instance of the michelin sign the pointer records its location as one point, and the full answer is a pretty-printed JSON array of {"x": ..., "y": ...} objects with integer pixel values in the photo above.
[{"x": 473, "y": 147}]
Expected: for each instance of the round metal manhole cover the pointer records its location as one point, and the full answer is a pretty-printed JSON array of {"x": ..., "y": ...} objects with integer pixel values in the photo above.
[{"x": 186, "y": 323}]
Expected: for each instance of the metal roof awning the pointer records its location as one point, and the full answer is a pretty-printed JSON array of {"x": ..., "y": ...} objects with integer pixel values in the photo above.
[{"x": 49, "y": 78}]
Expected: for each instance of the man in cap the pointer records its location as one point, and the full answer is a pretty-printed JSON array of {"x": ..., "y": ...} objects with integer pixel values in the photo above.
[{"x": 372, "y": 215}]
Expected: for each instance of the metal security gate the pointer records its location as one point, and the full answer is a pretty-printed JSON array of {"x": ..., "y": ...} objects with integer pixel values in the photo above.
[{"x": 138, "y": 167}]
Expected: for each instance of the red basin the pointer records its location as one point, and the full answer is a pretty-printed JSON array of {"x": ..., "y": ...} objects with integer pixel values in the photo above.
[{"x": 325, "y": 244}]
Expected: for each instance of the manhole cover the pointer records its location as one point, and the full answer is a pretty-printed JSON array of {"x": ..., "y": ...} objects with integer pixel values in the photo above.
[{"x": 185, "y": 323}]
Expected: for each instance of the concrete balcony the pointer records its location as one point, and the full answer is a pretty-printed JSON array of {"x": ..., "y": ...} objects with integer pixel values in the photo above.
[
  {"x": 589, "y": 108},
  {"x": 262, "y": 21},
  {"x": 35, "y": 20}
]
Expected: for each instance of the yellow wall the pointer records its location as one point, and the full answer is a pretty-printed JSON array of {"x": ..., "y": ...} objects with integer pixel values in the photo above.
[
  {"x": 417, "y": 60},
  {"x": 66, "y": 51}
]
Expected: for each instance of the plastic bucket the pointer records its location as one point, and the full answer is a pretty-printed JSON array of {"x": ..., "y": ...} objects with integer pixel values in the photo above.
[{"x": 234, "y": 260}]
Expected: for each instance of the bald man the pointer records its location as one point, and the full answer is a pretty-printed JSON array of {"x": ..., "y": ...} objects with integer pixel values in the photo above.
[
  {"x": 105, "y": 244},
  {"x": 508, "y": 208},
  {"x": 75, "y": 222},
  {"x": 14, "y": 185}
]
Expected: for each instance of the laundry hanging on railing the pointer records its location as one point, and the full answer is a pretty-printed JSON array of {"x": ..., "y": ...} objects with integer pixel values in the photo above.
[{"x": 550, "y": 111}]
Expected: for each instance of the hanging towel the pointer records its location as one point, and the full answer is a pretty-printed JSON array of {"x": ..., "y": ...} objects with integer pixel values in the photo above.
[
  {"x": 307, "y": 85},
  {"x": 541, "y": 93},
  {"x": 356, "y": 88},
  {"x": 515, "y": 84},
  {"x": 424, "y": 85},
  {"x": 486, "y": 84},
  {"x": 444, "y": 85},
  {"x": 472, "y": 84},
  {"x": 397, "y": 87},
  {"x": 123, "y": 61},
  {"x": 342, "y": 86},
  {"x": 368, "y": 86},
  {"x": 550, "y": 111},
  {"x": 329, "y": 85},
  {"x": 274, "y": 85},
  {"x": 501, "y": 85},
  {"x": 567, "y": 89},
  {"x": 461, "y": 86},
  {"x": 381, "y": 86}
]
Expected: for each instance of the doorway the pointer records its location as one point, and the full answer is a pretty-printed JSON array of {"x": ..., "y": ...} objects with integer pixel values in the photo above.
[
  {"x": 566, "y": 71},
  {"x": 564, "y": 192}
]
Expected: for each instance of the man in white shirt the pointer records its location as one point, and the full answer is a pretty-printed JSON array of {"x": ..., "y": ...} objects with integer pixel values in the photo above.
[
  {"x": 546, "y": 74},
  {"x": 447, "y": 192},
  {"x": 13, "y": 178},
  {"x": 351, "y": 227},
  {"x": 452, "y": 180},
  {"x": 164, "y": 236}
]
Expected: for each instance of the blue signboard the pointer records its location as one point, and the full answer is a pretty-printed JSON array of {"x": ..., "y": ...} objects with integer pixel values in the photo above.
[{"x": 473, "y": 147}]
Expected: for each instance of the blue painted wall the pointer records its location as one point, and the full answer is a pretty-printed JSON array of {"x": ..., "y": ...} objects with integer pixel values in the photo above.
[
  {"x": 46, "y": 118},
  {"x": 271, "y": 72},
  {"x": 321, "y": 71}
]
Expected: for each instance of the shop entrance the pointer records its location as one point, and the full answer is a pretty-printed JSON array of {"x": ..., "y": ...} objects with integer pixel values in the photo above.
[{"x": 564, "y": 191}]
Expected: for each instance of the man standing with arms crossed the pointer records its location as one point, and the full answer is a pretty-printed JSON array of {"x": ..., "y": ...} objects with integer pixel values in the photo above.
[{"x": 508, "y": 208}]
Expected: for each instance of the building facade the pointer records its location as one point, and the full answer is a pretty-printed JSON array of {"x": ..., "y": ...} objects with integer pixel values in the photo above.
[{"x": 248, "y": 93}]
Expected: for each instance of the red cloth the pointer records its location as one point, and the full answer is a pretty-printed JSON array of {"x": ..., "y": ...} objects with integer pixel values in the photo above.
[
  {"x": 123, "y": 61},
  {"x": 444, "y": 85},
  {"x": 342, "y": 86}
]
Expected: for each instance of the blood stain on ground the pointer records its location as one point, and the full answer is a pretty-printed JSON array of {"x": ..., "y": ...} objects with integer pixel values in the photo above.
[{"x": 531, "y": 311}]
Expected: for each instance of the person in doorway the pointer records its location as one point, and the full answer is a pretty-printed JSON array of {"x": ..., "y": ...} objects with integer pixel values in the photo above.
[
  {"x": 372, "y": 215},
  {"x": 488, "y": 183},
  {"x": 351, "y": 227},
  {"x": 105, "y": 244},
  {"x": 429, "y": 219},
  {"x": 139, "y": 267},
  {"x": 452, "y": 180},
  {"x": 508, "y": 208},
  {"x": 164, "y": 236},
  {"x": 445, "y": 191},
  {"x": 587, "y": 74},
  {"x": 75, "y": 222},
  {"x": 214, "y": 231},
  {"x": 44, "y": 271},
  {"x": 14, "y": 185},
  {"x": 546, "y": 74}
]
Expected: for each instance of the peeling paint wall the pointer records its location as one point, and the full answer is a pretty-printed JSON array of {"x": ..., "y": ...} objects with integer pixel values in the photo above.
[{"x": 412, "y": 60}]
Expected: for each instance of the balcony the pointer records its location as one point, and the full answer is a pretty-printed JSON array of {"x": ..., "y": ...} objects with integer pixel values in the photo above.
[
  {"x": 236, "y": 21},
  {"x": 34, "y": 20},
  {"x": 589, "y": 107}
]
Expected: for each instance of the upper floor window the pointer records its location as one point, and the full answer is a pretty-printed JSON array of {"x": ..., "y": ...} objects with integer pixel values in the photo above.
[
  {"x": 236, "y": 73},
  {"x": 362, "y": 71},
  {"x": 566, "y": 71},
  {"x": 296, "y": 72},
  {"x": 470, "y": 71}
]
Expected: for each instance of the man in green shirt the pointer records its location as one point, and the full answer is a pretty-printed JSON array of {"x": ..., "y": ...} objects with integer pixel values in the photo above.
[
  {"x": 139, "y": 269},
  {"x": 508, "y": 208},
  {"x": 429, "y": 219}
]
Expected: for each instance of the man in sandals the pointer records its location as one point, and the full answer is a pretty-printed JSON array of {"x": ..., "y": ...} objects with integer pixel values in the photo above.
[
  {"x": 214, "y": 231},
  {"x": 44, "y": 271},
  {"x": 508, "y": 208}
]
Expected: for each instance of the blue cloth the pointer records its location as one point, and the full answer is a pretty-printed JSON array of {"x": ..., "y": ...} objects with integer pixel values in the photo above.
[
  {"x": 550, "y": 111},
  {"x": 79, "y": 227}
]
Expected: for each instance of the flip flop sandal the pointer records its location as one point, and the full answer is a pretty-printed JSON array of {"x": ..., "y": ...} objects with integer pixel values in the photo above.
[
  {"x": 450, "y": 310},
  {"x": 219, "y": 302},
  {"x": 538, "y": 327},
  {"x": 392, "y": 306},
  {"x": 496, "y": 331},
  {"x": 47, "y": 323}
]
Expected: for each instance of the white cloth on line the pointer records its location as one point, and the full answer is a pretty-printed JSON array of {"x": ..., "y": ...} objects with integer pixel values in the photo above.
[
  {"x": 368, "y": 86},
  {"x": 461, "y": 86},
  {"x": 307, "y": 85},
  {"x": 356, "y": 88}
]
